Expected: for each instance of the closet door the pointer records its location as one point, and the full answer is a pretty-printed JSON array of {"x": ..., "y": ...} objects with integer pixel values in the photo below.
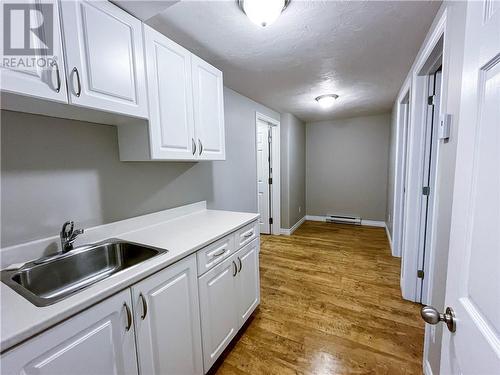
[
  {"x": 44, "y": 76},
  {"x": 105, "y": 57},
  {"x": 208, "y": 110},
  {"x": 171, "y": 124}
]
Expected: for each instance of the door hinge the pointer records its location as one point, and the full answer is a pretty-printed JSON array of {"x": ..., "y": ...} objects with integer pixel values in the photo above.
[
  {"x": 270, "y": 180},
  {"x": 270, "y": 220},
  {"x": 420, "y": 274},
  {"x": 426, "y": 190},
  {"x": 430, "y": 100}
]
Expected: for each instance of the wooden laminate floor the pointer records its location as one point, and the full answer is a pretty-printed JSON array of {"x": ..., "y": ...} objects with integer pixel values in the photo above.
[{"x": 330, "y": 304}]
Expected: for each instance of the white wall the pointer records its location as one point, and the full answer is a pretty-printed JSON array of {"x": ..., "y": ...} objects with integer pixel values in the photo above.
[
  {"x": 55, "y": 169},
  {"x": 293, "y": 170},
  {"x": 346, "y": 166}
]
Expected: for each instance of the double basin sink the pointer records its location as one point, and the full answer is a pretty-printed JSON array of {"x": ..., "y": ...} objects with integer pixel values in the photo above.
[{"x": 46, "y": 281}]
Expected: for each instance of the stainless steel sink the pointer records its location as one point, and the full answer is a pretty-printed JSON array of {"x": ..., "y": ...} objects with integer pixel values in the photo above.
[{"x": 53, "y": 279}]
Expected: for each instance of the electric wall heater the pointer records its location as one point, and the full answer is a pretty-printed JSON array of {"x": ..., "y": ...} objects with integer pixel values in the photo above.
[{"x": 340, "y": 219}]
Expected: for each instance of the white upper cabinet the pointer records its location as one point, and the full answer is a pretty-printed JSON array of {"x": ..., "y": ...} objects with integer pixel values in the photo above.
[
  {"x": 167, "y": 320},
  {"x": 99, "y": 340},
  {"x": 40, "y": 73},
  {"x": 171, "y": 122},
  {"x": 104, "y": 57},
  {"x": 208, "y": 110}
]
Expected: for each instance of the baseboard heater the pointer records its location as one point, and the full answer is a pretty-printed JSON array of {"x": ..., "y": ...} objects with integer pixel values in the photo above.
[{"x": 355, "y": 220}]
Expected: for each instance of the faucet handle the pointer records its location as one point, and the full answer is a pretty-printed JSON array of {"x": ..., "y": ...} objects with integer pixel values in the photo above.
[{"x": 67, "y": 229}]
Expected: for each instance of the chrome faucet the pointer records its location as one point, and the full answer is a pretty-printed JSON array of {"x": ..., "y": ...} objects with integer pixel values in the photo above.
[{"x": 68, "y": 236}]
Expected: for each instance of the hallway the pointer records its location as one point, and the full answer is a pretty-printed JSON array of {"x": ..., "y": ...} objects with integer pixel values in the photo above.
[{"x": 330, "y": 304}]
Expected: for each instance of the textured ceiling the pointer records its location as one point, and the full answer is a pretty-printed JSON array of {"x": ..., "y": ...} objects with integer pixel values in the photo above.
[{"x": 361, "y": 51}]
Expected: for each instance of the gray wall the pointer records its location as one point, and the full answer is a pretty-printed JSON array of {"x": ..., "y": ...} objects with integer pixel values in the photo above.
[
  {"x": 346, "y": 166},
  {"x": 293, "y": 170},
  {"x": 54, "y": 169}
]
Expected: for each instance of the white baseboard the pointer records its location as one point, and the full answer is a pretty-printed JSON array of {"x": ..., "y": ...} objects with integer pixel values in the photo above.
[
  {"x": 373, "y": 223},
  {"x": 389, "y": 238},
  {"x": 427, "y": 368},
  {"x": 288, "y": 232},
  {"x": 315, "y": 218},
  {"x": 368, "y": 223}
]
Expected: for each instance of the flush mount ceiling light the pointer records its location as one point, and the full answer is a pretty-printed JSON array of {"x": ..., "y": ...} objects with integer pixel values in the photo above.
[
  {"x": 326, "y": 101},
  {"x": 263, "y": 12}
]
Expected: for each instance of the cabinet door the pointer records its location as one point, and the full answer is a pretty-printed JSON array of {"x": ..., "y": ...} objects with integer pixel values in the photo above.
[
  {"x": 40, "y": 73},
  {"x": 104, "y": 57},
  {"x": 219, "y": 322},
  {"x": 95, "y": 341},
  {"x": 208, "y": 110},
  {"x": 167, "y": 319},
  {"x": 248, "y": 285},
  {"x": 171, "y": 123}
]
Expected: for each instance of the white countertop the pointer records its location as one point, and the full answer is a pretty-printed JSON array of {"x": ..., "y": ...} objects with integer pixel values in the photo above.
[{"x": 181, "y": 236}]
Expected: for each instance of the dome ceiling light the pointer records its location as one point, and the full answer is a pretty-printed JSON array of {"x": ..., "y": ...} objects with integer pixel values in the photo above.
[
  {"x": 263, "y": 12},
  {"x": 326, "y": 101}
]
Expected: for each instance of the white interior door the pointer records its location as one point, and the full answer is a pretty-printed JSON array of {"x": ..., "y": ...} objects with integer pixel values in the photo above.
[
  {"x": 473, "y": 284},
  {"x": 263, "y": 176}
]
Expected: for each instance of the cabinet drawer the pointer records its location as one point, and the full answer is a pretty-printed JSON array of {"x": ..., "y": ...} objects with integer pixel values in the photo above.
[
  {"x": 215, "y": 253},
  {"x": 246, "y": 234}
]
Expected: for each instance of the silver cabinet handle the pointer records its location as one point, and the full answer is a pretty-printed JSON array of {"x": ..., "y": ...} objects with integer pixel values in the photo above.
[
  {"x": 79, "y": 91},
  {"x": 241, "y": 264},
  {"x": 144, "y": 306},
  {"x": 235, "y": 269},
  {"x": 129, "y": 317},
  {"x": 248, "y": 235},
  {"x": 201, "y": 146},
  {"x": 193, "y": 145},
  {"x": 219, "y": 253},
  {"x": 58, "y": 75}
]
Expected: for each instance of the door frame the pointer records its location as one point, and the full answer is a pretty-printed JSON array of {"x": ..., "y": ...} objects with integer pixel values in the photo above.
[
  {"x": 275, "y": 165},
  {"x": 402, "y": 132},
  {"x": 432, "y": 54}
]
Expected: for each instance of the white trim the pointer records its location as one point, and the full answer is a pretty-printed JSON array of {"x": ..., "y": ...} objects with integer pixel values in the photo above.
[
  {"x": 427, "y": 367},
  {"x": 389, "y": 237},
  {"x": 366, "y": 223},
  {"x": 288, "y": 232},
  {"x": 315, "y": 218},
  {"x": 373, "y": 223},
  {"x": 275, "y": 158},
  {"x": 411, "y": 285}
]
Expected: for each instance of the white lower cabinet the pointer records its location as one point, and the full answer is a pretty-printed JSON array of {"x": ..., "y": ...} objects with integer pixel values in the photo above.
[
  {"x": 229, "y": 293},
  {"x": 167, "y": 321},
  {"x": 99, "y": 340},
  {"x": 171, "y": 323},
  {"x": 248, "y": 284},
  {"x": 219, "y": 320}
]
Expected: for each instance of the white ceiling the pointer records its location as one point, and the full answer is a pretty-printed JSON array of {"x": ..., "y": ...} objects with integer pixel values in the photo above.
[{"x": 361, "y": 51}]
